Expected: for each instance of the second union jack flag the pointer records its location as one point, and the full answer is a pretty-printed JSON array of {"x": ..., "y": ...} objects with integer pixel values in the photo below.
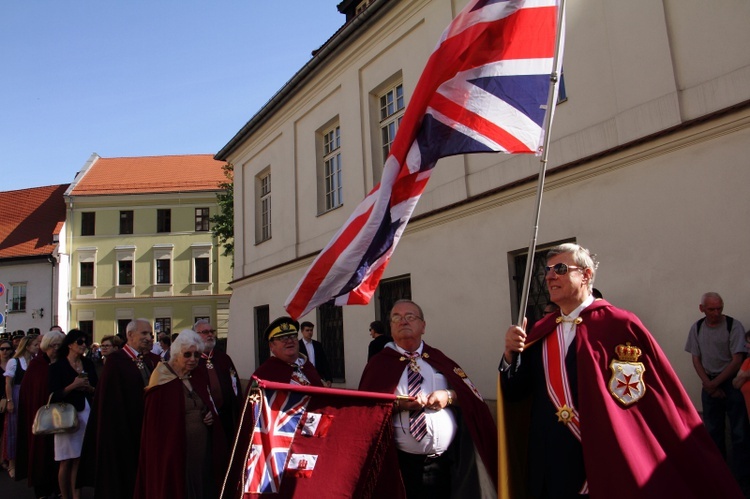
[{"x": 277, "y": 415}]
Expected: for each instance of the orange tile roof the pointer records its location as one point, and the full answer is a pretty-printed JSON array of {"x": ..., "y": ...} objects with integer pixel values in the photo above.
[
  {"x": 29, "y": 218},
  {"x": 150, "y": 175}
]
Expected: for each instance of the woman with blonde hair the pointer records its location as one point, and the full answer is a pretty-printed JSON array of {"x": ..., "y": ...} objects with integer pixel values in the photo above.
[{"x": 16, "y": 368}]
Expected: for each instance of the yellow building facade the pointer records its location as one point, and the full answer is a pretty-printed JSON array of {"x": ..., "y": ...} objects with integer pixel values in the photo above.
[{"x": 140, "y": 245}]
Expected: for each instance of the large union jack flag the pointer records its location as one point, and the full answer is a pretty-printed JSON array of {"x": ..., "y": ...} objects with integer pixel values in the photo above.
[
  {"x": 484, "y": 88},
  {"x": 277, "y": 415}
]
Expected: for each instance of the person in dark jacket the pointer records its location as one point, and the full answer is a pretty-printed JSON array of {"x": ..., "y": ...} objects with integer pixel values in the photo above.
[{"x": 72, "y": 379}]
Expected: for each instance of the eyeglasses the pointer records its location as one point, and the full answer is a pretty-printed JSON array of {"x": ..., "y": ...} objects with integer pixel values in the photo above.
[
  {"x": 409, "y": 318},
  {"x": 207, "y": 331},
  {"x": 561, "y": 268},
  {"x": 187, "y": 355},
  {"x": 81, "y": 341},
  {"x": 4, "y": 349},
  {"x": 287, "y": 338}
]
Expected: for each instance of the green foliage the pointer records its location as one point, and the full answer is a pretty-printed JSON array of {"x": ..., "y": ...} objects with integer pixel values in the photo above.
[{"x": 223, "y": 222}]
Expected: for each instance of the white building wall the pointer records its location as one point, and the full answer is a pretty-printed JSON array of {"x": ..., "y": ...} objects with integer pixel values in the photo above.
[{"x": 665, "y": 214}]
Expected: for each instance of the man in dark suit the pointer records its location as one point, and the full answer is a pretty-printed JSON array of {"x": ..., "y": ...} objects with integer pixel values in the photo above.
[
  {"x": 314, "y": 351},
  {"x": 380, "y": 338}
]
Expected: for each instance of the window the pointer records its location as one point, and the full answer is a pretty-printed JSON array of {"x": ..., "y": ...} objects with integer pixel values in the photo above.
[
  {"x": 201, "y": 263},
  {"x": 163, "y": 271},
  {"x": 263, "y": 207},
  {"x": 201, "y": 220},
  {"x": 126, "y": 222},
  {"x": 201, "y": 270},
  {"x": 164, "y": 220},
  {"x": 122, "y": 326},
  {"x": 332, "y": 168},
  {"x": 391, "y": 112},
  {"x": 389, "y": 292},
  {"x": 17, "y": 297},
  {"x": 262, "y": 320},
  {"x": 87, "y": 327},
  {"x": 331, "y": 333},
  {"x": 86, "y": 271},
  {"x": 162, "y": 325},
  {"x": 125, "y": 273},
  {"x": 88, "y": 223},
  {"x": 87, "y": 274}
]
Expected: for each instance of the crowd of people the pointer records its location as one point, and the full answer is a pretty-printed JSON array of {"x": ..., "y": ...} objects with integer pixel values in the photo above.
[
  {"x": 149, "y": 426},
  {"x": 604, "y": 413}
]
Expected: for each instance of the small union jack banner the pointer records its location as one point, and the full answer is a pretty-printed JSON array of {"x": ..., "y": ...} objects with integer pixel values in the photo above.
[{"x": 277, "y": 415}]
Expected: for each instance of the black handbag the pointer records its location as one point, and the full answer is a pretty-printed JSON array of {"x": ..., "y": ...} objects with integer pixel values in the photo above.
[{"x": 59, "y": 417}]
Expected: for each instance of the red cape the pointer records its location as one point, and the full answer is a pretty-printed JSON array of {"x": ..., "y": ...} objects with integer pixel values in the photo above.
[
  {"x": 109, "y": 460},
  {"x": 229, "y": 412},
  {"x": 655, "y": 447},
  {"x": 162, "y": 474},
  {"x": 35, "y": 457},
  {"x": 384, "y": 370}
]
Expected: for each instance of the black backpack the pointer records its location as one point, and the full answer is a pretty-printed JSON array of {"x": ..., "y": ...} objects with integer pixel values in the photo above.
[{"x": 730, "y": 322}]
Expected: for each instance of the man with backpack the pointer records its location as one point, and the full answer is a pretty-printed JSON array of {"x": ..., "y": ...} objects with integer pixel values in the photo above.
[{"x": 717, "y": 344}]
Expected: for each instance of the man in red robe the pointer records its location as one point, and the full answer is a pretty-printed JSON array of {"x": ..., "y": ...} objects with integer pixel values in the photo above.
[
  {"x": 609, "y": 417},
  {"x": 451, "y": 451},
  {"x": 217, "y": 370},
  {"x": 286, "y": 365},
  {"x": 113, "y": 437}
]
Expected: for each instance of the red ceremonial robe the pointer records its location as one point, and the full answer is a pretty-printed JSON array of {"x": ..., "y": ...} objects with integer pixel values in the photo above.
[
  {"x": 109, "y": 459},
  {"x": 382, "y": 374},
  {"x": 229, "y": 411},
  {"x": 162, "y": 474},
  {"x": 35, "y": 457},
  {"x": 273, "y": 369},
  {"x": 654, "y": 447}
]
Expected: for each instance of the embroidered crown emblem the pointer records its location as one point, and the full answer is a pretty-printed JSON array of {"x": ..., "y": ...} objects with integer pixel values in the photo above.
[{"x": 628, "y": 353}]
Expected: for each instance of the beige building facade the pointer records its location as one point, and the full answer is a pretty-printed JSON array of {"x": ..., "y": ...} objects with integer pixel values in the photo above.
[{"x": 648, "y": 169}]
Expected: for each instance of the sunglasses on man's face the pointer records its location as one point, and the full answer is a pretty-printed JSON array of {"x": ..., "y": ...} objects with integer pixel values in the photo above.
[{"x": 560, "y": 268}]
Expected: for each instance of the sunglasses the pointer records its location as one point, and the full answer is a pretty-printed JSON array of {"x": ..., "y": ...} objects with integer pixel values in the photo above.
[
  {"x": 81, "y": 341},
  {"x": 208, "y": 331},
  {"x": 560, "y": 268},
  {"x": 5, "y": 348},
  {"x": 187, "y": 355}
]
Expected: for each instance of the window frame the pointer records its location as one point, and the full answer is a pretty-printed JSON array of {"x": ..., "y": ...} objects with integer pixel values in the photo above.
[
  {"x": 202, "y": 219},
  {"x": 88, "y": 223},
  {"x": 17, "y": 297},
  {"x": 263, "y": 218},
  {"x": 332, "y": 189},
  {"x": 163, "y": 220},
  {"x": 127, "y": 221}
]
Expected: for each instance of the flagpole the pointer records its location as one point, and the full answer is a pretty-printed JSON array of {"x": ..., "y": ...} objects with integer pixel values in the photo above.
[{"x": 551, "y": 103}]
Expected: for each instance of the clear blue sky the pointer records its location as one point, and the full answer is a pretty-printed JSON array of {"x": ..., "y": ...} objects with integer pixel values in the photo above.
[{"x": 141, "y": 77}]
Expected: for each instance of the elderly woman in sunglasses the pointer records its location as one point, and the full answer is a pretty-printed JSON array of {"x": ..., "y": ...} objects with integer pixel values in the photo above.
[
  {"x": 179, "y": 412},
  {"x": 72, "y": 379}
]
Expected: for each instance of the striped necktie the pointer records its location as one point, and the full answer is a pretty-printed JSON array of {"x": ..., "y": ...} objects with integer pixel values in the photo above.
[{"x": 417, "y": 422}]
